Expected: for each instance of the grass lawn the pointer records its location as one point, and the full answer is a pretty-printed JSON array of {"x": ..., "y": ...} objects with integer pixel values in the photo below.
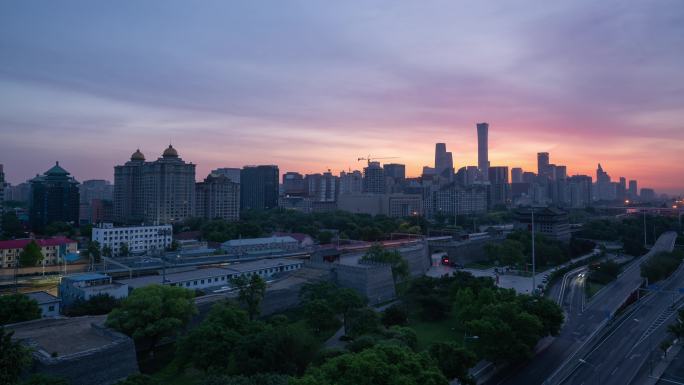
[{"x": 429, "y": 332}]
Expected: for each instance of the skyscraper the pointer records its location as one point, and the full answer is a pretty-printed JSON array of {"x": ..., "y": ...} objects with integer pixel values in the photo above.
[
  {"x": 322, "y": 187},
  {"x": 499, "y": 188},
  {"x": 231, "y": 172},
  {"x": 543, "y": 164},
  {"x": 53, "y": 198},
  {"x": 259, "y": 187},
  {"x": 482, "y": 149},
  {"x": 374, "y": 178},
  {"x": 633, "y": 189},
  {"x": 444, "y": 161},
  {"x": 395, "y": 171},
  {"x": 516, "y": 175},
  {"x": 217, "y": 197},
  {"x": 168, "y": 188},
  {"x": 129, "y": 206}
]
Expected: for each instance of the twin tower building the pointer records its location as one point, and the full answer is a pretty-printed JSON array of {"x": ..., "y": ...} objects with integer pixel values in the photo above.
[{"x": 164, "y": 191}]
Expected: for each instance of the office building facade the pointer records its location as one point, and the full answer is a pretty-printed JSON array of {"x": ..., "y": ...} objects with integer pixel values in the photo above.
[
  {"x": 259, "y": 187},
  {"x": 54, "y": 197}
]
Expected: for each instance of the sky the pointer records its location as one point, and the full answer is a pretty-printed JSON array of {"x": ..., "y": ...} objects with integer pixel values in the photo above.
[{"x": 313, "y": 85}]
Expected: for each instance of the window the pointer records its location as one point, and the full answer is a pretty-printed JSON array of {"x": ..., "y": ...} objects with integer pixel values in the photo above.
[{"x": 51, "y": 308}]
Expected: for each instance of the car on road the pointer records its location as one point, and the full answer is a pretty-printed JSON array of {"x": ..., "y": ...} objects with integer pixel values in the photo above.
[{"x": 450, "y": 262}]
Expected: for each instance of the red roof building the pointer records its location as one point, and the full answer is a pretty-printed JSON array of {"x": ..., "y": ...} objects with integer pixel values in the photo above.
[{"x": 53, "y": 250}]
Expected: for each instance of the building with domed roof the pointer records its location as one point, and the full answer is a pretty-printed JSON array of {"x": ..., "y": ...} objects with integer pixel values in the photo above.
[
  {"x": 168, "y": 188},
  {"x": 161, "y": 191},
  {"x": 53, "y": 197},
  {"x": 128, "y": 190}
]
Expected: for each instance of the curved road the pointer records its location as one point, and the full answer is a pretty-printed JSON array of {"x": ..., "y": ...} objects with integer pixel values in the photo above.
[{"x": 551, "y": 363}]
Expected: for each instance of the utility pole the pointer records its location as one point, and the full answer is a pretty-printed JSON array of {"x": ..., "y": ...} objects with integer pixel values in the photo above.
[
  {"x": 534, "y": 270},
  {"x": 644, "y": 228}
]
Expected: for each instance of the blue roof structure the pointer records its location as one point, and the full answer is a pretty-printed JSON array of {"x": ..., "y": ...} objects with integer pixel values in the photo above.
[{"x": 87, "y": 277}]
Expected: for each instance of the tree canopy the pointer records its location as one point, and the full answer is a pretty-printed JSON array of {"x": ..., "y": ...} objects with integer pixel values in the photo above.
[
  {"x": 153, "y": 312},
  {"x": 14, "y": 358},
  {"x": 31, "y": 255},
  {"x": 18, "y": 308},
  {"x": 251, "y": 291},
  {"x": 377, "y": 253}
]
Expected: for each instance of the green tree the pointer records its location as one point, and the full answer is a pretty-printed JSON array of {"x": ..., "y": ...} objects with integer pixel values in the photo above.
[
  {"x": 153, "y": 312},
  {"x": 31, "y": 255},
  {"x": 123, "y": 250},
  {"x": 546, "y": 310},
  {"x": 325, "y": 237},
  {"x": 106, "y": 251},
  {"x": 95, "y": 305},
  {"x": 18, "y": 308},
  {"x": 11, "y": 226},
  {"x": 251, "y": 290},
  {"x": 346, "y": 301},
  {"x": 14, "y": 358},
  {"x": 60, "y": 228},
  {"x": 320, "y": 316},
  {"x": 286, "y": 349},
  {"x": 396, "y": 314},
  {"x": 208, "y": 346},
  {"x": 381, "y": 364},
  {"x": 94, "y": 251},
  {"x": 363, "y": 321},
  {"x": 454, "y": 361},
  {"x": 257, "y": 379},
  {"x": 400, "y": 268}
]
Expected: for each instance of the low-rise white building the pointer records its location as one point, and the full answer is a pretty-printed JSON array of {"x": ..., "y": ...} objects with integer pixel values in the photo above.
[
  {"x": 73, "y": 288},
  {"x": 140, "y": 239},
  {"x": 48, "y": 303},
  {"x": 260, "y": 245},
  {"x": 203, "y": 278}
]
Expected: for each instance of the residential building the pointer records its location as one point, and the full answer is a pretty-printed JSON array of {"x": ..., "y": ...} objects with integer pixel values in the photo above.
[
  {"x": 647, "y": 195},
  {"x": 48, "y": 303},
  {"x": 454, "y": 199},
  {"x": 516, "y": 175},
  {"x": 550, "y": 221},
  {"x": 54, "y": 197},
  {"x": 293, "y": 184},
  {"x": 483, "y": 149},
  {"x": 260, "y": 245},
  {"x": 397, "y": 205},
  {"x": 231, "y": 172},
  {"x": 82, "y": 287},
  {"x": 53, "y": 250},
  {"x": 499, "y": 190},
  {"x": 217, "y": 197},
  {"x": 633, "y": 191},
  {"x": 95, "y": 189},
  {"x": 444, "y": 161},
  {"x": 351, "y": 182},
  {"x": 2, "y": 194},
  {"x": 395, "y": 171},
  {"x": 579, "y": 187},
  {"x": 374, "y": 179},
  {"x": 138, "y": 239},
  {"x": 168, "y": 188},
  {"x": 322, "y": 187},
  {"x": 19, "y": 193},
  {"x": 129, "y": 204},
  {"x": 543, "y": 169},
  {"x": 259, "y": 187}
]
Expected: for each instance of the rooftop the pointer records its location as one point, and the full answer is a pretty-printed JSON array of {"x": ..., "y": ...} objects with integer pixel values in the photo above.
[
  {"x": 63, "y": 336},
  {"x": 259, "y": 241},
  {"x": 86, "y": 277},
  {"x": 21, "y": 243},
  {"x": 42, "y": 297}
]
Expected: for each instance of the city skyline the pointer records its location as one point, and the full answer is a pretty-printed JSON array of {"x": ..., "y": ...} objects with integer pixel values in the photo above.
[{"x": 242, "y": 83}]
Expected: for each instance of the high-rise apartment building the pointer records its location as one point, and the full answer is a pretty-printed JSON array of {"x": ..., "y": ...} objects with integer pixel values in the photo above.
[
  {"x": 293, "y": 184},
  {"x": 351, "y": 182},
  {"x": 168, "y": 188},
  {"x": 374, "y": 178},
  {"x": 605, "y": 190},
  {"x": 633, "y": 194},
  {"x": 217, "y": 197},
  {"x": 129, "y": 206},
  {"x": 322, "y": 187},
  {"x": 232, "y": 173},
  {"x": 259, "y": 187},
  {"x": 516, "y": 175},
  {"x": 2, "y": 194},
  {"x": 499, "y": 187},
  {"x": 483, "y": 149},
  {"x": 395, "y": 171},
  {"x": 53, "y": 197},
  {"x": 647, "y": 194},
  {"x": 579, "y": 191}
]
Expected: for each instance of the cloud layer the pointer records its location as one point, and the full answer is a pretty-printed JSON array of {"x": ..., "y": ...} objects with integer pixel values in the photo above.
[{"x": 312, "y": 85}]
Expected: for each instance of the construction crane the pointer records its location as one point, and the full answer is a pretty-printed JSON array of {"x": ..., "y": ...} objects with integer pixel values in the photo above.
[{"x": 369, "y": 159}]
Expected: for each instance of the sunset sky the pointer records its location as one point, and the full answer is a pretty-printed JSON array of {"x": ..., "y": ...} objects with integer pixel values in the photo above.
[{"x": 312, "y": 85}]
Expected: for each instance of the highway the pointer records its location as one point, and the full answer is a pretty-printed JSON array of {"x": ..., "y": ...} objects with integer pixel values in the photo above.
[
  {"x": 618, "y": 358},
  {"x": 582, "y": 323}
]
